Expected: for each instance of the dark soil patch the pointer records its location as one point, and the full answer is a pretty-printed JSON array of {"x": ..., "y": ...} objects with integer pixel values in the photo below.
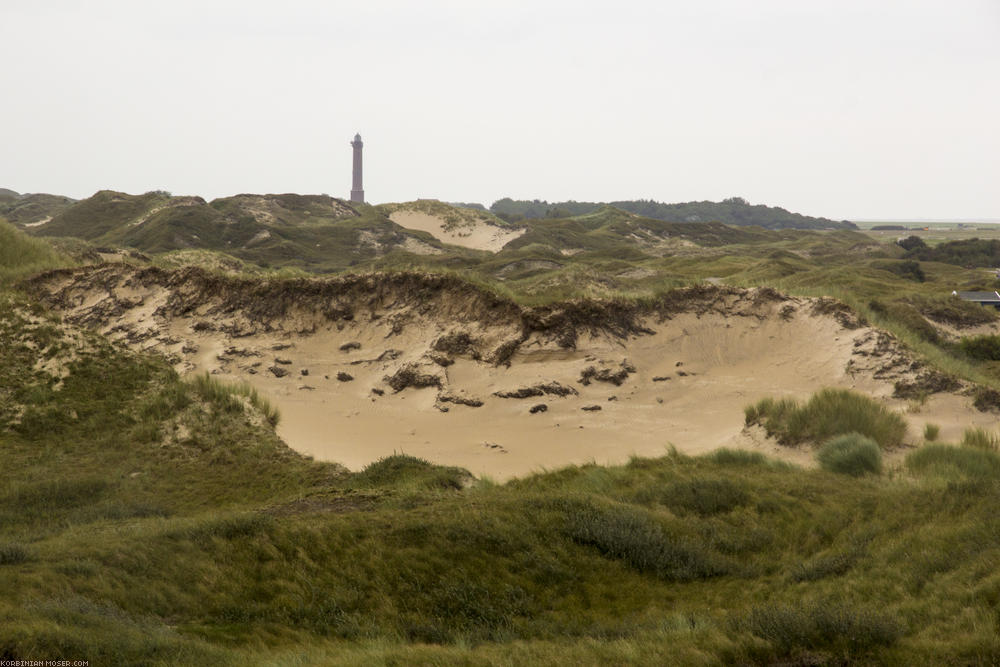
[
  {"x": 541, "y": 407},
  {"x": 460, "y": 400},
  {"x": 928, "y": 382},
  {"x": 549, "y": 388},
  {"x": 986, "y": 399},
  {"x": 615, "y": 377},
  {"x": 839, "y": 311},
  {"x": 410, "y": 376},
  {"x": 455, "y": 343},
  {"x": 442, "y": 360}
]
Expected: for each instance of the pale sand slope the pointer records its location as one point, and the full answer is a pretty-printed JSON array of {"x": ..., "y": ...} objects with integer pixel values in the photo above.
[
  {"x": 478, "y": 235},
  {"x": 723, "y": 350}
]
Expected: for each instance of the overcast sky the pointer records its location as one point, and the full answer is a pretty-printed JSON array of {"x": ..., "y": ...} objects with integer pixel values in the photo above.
[{"x": 840, "y": 108}]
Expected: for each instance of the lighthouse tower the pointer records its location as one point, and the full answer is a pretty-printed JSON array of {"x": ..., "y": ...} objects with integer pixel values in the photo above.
[{"x": 357, "y": 190}]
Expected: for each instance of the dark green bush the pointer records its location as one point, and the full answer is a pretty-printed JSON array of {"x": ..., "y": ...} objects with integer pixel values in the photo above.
[
  {"x": 912, "y": 242},
  {"x": 12, "y": 553},
  {"x": 412, "y": 471},
  {"x": 822, "y": 625},
  {"x": 907, "y": 268},
  {"x": 637, "y": 539},
  {"x": 704, "y": 497},
  {"x": 981, "y": 348},
  {"x": 851, "y": 454}
]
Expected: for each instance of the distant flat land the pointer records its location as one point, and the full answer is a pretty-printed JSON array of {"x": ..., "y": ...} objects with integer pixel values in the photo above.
[{"x": 932, "y": 233}]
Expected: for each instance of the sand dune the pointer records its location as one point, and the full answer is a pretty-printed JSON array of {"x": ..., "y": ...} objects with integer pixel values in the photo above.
[
  {"x": 636, "y": 381},
  {"x": 473, "y": 232}
]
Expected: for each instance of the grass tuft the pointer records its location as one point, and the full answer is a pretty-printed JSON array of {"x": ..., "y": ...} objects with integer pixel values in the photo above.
[
  {"x": 980, "y": 438},
  {"x": 229, "y": 397},
  {"x": 852, "y": 454},
  {"x": 830, "y": 412},
  {"x": 931, "y": 432},
  {"x": 403, "y": 469},
  {"x": 948, "y": 461}
]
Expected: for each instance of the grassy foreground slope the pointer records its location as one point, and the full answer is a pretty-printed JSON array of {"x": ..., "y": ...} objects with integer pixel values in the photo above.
[{"x": 160, "y": 521}]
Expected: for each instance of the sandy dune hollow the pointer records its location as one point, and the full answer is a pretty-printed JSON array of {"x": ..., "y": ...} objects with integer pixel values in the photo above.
[{"x": 366, "y": 366}]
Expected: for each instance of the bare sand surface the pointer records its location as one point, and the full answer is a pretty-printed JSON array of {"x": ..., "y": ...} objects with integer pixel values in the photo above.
[
  {"x": 684, "y": 376},
  {"x": 478, "y": 235}
]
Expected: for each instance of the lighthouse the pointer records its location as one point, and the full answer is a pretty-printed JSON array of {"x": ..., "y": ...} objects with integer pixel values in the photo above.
[{"x": 357, "y": 190}]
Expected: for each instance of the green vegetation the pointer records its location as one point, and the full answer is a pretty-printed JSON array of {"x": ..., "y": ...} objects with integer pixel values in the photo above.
[
  {"x": 578, "y": 250},
  {"x": 161, "y": 521},
  {"x": 954, "y": 463},
  {"x": 981, "y": 348},
  {"x": 733, "y": 211},
  {"x": 931, "y": 432},
  {"x": 966, "y": 252},
  {"x": 205, "y": 540},
  {"x": 22, "y": 256},
  {"x": 830, "y": 412},
  {"x": 28, "y": 209},
  {"x": 230, "y": 396},
  {"x": 981, "y": 439},
  {"x": 852, "y": 454}
]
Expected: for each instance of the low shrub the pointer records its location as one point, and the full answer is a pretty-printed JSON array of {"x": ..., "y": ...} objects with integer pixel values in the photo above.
[
  {"x": 852, "y": 454},
  {"x": 405, "y": 470},
  {"x": 56, "y": 494},
  {"x": 981, "y": 348},
  {"x": 905, "y": 268},
  {"x": 827, "y": 565},
  {"x": 830, "y": 412},
  {"x": 931, "y": 432},
  {"x": 952, "y": 310},
  {"x": 822, "y": 625},
  {"x": 704, "y": 497},
  {"x": 12, "y": 553},
  {"x": 640, "y": 541}
]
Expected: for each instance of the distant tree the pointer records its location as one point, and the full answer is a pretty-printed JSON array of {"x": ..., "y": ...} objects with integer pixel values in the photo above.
[
  {"x": 912, "y": 242},
  {"x": 740, "y": 201}
]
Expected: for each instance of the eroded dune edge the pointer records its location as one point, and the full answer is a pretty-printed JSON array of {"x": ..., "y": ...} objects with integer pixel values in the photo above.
[{"x": 362, "y": 366}]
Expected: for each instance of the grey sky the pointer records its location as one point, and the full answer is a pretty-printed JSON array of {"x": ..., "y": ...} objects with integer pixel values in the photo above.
[{"x": 846, "y": 108}]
